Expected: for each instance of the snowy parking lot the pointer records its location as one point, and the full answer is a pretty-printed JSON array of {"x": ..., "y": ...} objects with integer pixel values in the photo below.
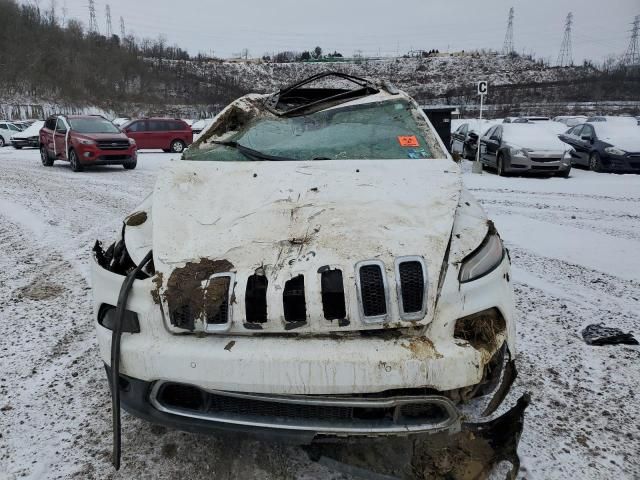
[{"x": 575, "y": 247}]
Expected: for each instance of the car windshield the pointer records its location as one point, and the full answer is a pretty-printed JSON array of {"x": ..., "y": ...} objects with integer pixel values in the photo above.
[
  {"x": 377, "y": 130},
  {"x": 93, "y": 125}
]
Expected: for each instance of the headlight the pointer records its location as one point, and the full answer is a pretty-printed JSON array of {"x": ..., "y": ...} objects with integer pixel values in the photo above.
[
  {"x": 487, "y": 257},
  {"x": 518, "y": 152},
  {"x": 615, "y": 151},
  {"x": 86, "y": 142},
  {"x": 132, "y": 141}
]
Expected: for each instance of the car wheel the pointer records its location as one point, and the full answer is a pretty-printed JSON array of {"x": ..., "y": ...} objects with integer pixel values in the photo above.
[
  {"x": 130, "y": 165},
  {"x": 2, "y": 142},
  {"x": 76, "y": 166},
  {"x": 177, "y": 146},
  {"x": 565, "y": 174},
  {"x": 17, "y": 147},
  {"x": 500, "y": 170},
  {"x": 595, "y": 164},
  {"x": 45, "y": 158}
]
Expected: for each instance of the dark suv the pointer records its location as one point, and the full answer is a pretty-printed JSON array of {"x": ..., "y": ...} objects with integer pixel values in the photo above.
[
  {"x": 168, "y": 134},
  {"x": 85, "y": 140}
]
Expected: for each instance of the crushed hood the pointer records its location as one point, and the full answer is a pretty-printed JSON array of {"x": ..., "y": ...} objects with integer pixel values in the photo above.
[{"x": 296, "y": 217}]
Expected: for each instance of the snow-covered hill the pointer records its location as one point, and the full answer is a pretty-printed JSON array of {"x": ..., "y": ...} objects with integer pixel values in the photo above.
[{"x": 421, "y": 77}]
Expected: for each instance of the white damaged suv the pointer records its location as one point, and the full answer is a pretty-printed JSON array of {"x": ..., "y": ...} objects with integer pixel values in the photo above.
[{"x": 312, "y": 267}]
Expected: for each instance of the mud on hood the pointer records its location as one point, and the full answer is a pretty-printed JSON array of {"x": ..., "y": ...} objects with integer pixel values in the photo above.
[{"x": 296, "y": 217}]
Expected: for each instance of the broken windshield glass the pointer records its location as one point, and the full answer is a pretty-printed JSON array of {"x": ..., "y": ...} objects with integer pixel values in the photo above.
[{"x": 376, "y": 130}]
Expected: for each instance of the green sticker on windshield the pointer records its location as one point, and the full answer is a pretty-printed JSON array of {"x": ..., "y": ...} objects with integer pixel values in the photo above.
[{"x": 417, "y": 153}]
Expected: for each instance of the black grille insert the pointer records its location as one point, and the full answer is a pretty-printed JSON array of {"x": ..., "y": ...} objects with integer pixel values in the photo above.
[
  {"x": 411, "y": 286},
  {"x": 182, "y": 317},
  {"x": 216, "y": 300},
  {"x": 255, "y": 299},
  {"x": 333, "y": 295},
  {"x": 271, "y": 410},
  {"x": 183, "y": 396},
  {"x": 295, "y": 308},
  {"x": 372, "y": 291},
  {"x": 113, "y": 144}
]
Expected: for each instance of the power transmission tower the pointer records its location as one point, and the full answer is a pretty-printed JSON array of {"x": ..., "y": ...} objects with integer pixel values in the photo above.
[
  {"x": 122, "y": 29},
  {"x": 632, "y": 55},
  {"x": 93, "y": 23},
  {"x": 507, "y": 48},
  {"x": 107, "y": 13},
  {"x": 565, "y": 58}
]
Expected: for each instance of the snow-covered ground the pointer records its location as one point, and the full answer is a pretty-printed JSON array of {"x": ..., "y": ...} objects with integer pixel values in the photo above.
[{"x": 575, "y": 246}]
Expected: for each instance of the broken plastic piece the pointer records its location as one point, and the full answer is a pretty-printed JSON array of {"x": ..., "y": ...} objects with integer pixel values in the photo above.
[{"x": 598, "y": 334}]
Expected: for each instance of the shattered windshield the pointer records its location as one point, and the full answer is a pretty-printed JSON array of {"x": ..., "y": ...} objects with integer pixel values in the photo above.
[{"x": 377, "y": 130}]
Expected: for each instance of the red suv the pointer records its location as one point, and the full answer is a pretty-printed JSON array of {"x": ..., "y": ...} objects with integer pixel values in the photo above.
[
  {"x": 85, "y": 140},
  {"x": 170, "y": 135}
]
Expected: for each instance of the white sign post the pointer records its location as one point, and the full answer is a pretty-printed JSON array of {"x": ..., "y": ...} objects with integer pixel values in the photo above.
[{"x": 482, "y": 91}]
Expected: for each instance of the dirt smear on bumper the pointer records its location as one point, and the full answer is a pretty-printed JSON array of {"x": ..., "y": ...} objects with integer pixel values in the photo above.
[{"x": 475, "y": 453}]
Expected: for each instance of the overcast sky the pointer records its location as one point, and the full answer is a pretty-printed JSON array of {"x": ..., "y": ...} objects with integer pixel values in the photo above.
[{"x": 601, "y": 27}]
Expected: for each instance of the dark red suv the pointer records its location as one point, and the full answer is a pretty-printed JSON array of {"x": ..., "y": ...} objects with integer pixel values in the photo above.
[
  {"x": 168, "y": 134},
  {"x": 85, "y": 140}
]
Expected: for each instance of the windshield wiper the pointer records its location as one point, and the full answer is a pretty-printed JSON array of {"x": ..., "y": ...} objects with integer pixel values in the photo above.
[{"x": 254, "y": 155}]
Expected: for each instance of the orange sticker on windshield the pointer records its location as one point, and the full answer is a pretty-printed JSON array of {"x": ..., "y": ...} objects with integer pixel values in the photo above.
[{"x": 408, "y": 141}]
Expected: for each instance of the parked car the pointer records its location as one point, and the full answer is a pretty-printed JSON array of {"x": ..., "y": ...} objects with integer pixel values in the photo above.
[
  {"x": 170, "y": 135},
  {"x": 30, "y": 137},
  {"x": 7, "y": 130},
  {"x": 570, "y": 121},
  {"x": 200, "y": 125},
  {"x": 247, "y": 305},
  {"x": 619, "y": 120},
  {"x": 526, "y": 119},
  {"x": 605, "y": 146},
  {"x": 524, "y": 148},
  {"x": 464, "y": 139},
  {"x": 85, "y": 140}
]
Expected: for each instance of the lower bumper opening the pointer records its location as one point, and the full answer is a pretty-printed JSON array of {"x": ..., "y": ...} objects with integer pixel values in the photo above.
[{"x": 331, "y": 415}]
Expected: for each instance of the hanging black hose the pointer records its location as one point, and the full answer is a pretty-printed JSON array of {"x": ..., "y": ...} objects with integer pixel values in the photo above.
[{"x": 115, "y": 356}]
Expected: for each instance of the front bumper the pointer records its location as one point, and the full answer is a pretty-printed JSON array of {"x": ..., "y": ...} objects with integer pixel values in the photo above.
[
  {"x": 25, "y": 142},
  {"x": 91, "y": 155},
  {"x": 539, "y": 164},
  {"x": 428, "y": 370},
  {"x": 622, "y": 163},
  {"x": 303, "y": 419}
]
